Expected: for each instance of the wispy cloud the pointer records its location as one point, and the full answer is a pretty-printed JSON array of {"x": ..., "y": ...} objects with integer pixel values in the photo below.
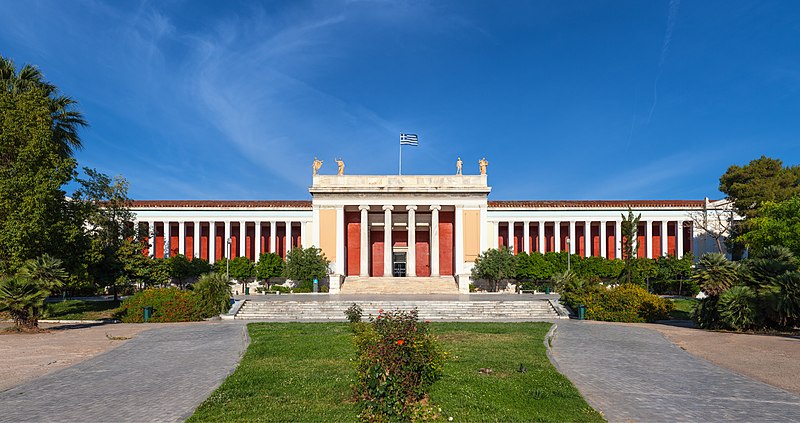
[{"x": 672, "y": 18}]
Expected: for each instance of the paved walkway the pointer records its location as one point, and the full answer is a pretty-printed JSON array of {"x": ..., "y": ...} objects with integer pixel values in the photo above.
[
  {"x": 634, "y": 374},
  {"x": 162, "y": 374}
]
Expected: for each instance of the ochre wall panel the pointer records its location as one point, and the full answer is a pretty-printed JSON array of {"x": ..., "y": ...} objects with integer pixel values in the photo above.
[
  {"x": 472, "y": 235},
  {"x": 327, "y": 233}
]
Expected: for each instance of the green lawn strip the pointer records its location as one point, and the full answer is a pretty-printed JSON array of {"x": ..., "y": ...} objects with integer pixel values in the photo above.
[
  {"x": 540, "y": 393},
  {"x": 304, "y": 371},
  {"x": 290, "y": 372},
  {"x": 81, "y": 310},
  {"x": 683, "y": 308}
]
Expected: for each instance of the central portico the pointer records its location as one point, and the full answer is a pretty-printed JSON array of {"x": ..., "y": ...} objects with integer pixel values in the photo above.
[{"x": 400, "y": 226}]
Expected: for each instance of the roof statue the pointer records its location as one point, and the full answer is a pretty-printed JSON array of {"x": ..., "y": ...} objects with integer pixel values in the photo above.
[
  {"x": 317, "y": 164},
  {"x": 340, "y": 163},
  {"x": 483, "y": 163},
  {"x": 458, "y": 166}
]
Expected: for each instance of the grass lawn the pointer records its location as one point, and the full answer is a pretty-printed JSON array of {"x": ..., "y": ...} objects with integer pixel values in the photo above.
[
  {"x": 683, "y": 308},
  {"x": 81, "y": 310},
  {"x": 304, "y": 372}
]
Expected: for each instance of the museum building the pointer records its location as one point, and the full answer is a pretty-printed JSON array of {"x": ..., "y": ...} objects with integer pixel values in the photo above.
[{"x": 416, "y": 226}]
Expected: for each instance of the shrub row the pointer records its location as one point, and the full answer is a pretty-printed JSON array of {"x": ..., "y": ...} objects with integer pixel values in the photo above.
[
  {"x": 623, "y": 303},
  {"x": 209, "y": 297}
]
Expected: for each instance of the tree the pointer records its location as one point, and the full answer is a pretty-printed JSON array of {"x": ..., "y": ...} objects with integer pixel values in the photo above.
[
  {"x": 776, "y": 224},
  {"x": 762, "y": 180},
  {"x": 37, "y": 218},
  {"x": 181, "y": 269},
  {"x": 630, "y": 243},
  {"x": 715, "y": 274},
  {"x": 212, "y": 293},
  {"x": 305, "y": 265},
  {"x": 242, "y": 269},
  {"x": 21, "y": 297},
  {"x": 65, "y": 120},
  {"x": 495, "y": 265},
  {"x": 270, "y": 265},
  {"x": 109, "y": 224},
  {"x": 46, "y": 271},
  {"x": 717, "y": 220}
]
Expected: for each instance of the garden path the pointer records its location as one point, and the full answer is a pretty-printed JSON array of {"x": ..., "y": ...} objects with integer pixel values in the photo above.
[
  {"x": 162, "y": 375},
  {"x": 633, "y": 373}
]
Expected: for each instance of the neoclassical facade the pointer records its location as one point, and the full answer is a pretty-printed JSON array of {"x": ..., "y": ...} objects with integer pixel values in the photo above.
[{"x": 417, "y": 225}]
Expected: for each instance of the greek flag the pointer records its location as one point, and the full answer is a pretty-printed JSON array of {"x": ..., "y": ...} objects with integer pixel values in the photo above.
[{"x": 409, "y": 139}]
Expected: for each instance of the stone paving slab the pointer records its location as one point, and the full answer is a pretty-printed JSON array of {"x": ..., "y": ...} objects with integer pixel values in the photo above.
[
  {"x": 400, "y": 297},
  {"x": 634, "y": 374},
  {"x": 161, "y": 375}
]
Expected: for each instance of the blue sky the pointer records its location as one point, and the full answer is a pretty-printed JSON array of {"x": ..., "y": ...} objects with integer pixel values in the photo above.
[{"x": 566, "y": 99}]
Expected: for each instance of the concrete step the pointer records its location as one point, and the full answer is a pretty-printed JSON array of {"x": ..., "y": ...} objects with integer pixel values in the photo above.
[
  {"x": 408, "y": 285},
  {"x": 428, "y": 310}
]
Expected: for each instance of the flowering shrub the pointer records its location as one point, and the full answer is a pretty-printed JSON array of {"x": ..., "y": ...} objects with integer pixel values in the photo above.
[
  {"x": 625, "y": 303},
  {"x": 398, "y": 361},
  {"x": 169, "y": 305}
]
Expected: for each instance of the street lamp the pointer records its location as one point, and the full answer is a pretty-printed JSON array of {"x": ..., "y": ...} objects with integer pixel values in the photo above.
[
  {"x": 228, "y": 260},
  {"x": 569, "y": 263}
]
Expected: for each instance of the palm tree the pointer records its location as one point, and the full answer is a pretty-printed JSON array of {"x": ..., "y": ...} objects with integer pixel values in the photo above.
[
  {"x": 21, "y": 297},
  {"x": 46, "y": 271},
  {"x": 715, "y": 274},
  {"x": 66, "y": 120}
]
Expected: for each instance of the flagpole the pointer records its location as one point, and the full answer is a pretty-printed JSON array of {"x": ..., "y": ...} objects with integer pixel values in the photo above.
[{"x": 400, "y": 167}]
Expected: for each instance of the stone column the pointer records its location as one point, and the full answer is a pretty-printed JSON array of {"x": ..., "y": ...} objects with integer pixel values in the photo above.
[
  {"x": 196, "y": 239},
  {"x": 573, "y": 238},
  {"x": 664, "y": 236},
  {"x": 182, "y": 238},
  {"x": 151, "y": 239},
  {"x": 617, "y": 239},
  {"x": 587, "y": 238},
  {"x": 496, "y": 231},
  {"x": 257, "y": 243},
  {"x": 526, "y": 237},
  {"x": 435, "y": 240},
  {"x": 511, "y": 236},
  {"x": 541, "y": 236},
  {"x": 212, "y": 242},
  {"x": 288, "y": 224},
  {"x": 387, "y": 241},
  {"x": 273, "y": 236},
  {"x": 679, "y": 239},
  {"x": 303, "y": 241},
  {"x": 166, "y": 238},
  {"x": 364, "y": 240},
  {"x": 227, "y": 241},
  {"x": 557, "y": 236},
  {"x": 242, "y": 239},
  {"x": 649, "y": 239},
  {"x": 458, "y": 234},
  {"x": 603, "y": 240},
  {"x": 411, "y": 258},
  {"x": 340, "y": 247}
]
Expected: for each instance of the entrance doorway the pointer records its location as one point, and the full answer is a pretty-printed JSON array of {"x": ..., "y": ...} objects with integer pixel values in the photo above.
[{"x": 399, "y": 264}]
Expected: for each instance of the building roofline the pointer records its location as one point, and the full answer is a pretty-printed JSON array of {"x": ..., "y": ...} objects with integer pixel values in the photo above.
[
  {"x": 558, "y": 204},
  {"x": 277, "y": 204}
]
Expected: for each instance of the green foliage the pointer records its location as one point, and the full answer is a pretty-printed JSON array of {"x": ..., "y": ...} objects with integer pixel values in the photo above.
[
  {"x": 46, "y": 271},
  {"x": 353, "y": 313},
  {"x": 169, "y": 305},
  {"x": 200, "y": 266},
  {"x": 534, "y": 266},
  {"x": 715, "y": 274},
  {"x": 706, "y": 315},
  {"x": 495, "y": 265},
  {"x": 270, "y": 265},
  {"x": 242, "y": 269},
  {"x": 305, "y": 265},
  {"x": 762, "y": 180},
  {"x": 624, "y": 303},
  {"x": 777, "y": 224},
  {"x": 308, "y": 286},
  {"x": 398, "y": 361},
  {"x": 738, "y": 308},
  {"x": 630, "y": 242},
  {"x": 180, "y": 268},
  {"x": 212, "y": 293},
  {"x": 21, "y": 297},
  {"x": 80, "y": 310},
  {"x": 673, "y": 276}
]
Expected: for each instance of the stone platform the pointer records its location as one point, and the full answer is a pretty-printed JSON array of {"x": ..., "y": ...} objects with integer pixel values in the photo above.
[{"x": 400, "y": 286}]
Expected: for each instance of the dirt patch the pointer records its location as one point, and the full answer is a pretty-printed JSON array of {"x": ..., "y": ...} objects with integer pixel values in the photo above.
[
  {"x": 25, "y": 356},
  {"x": 769, "y": 359}
]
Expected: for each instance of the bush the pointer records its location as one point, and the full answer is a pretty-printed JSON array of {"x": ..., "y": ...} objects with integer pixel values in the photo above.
[
  {"x": 354, "y": 313},
  {"x": 212, "y": 294},
  {"x": 279, "y": 288},
  {"x": 705, "y": 314},
  {"x": 738, "y": 308},
  {"x": 398, "y": 361},
  {"x": 169, "y": 305},
  {"x": 625, "y": 303},
  {"x": 308, "y": 286}
]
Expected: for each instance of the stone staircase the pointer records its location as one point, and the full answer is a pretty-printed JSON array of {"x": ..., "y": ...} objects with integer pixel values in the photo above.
[
  {"x": 290, "y": 310},
  {"x": 404, "y": 286}
]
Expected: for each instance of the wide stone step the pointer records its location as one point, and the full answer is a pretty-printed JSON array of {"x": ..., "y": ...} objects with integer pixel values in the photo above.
[{"x": 428, "y": 310}]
